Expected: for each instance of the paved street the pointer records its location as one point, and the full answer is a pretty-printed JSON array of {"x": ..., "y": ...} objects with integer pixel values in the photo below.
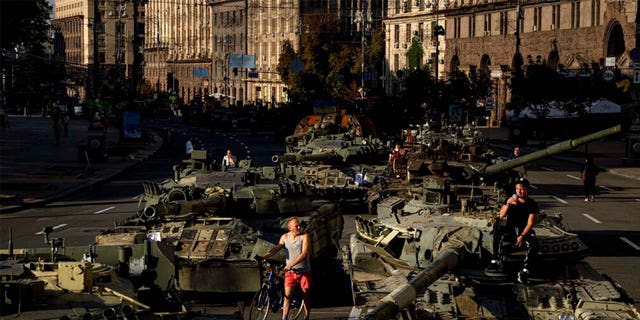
[{"x": 79, "y": 206}]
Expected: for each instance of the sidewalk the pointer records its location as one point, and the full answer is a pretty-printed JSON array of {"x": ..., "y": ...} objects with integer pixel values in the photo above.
[
  {"x": 607, "y": 153},
  {"x": 35, "y": 171}
]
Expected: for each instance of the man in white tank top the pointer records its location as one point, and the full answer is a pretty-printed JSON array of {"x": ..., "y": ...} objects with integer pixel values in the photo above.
[{"x": 298, "y": 268}]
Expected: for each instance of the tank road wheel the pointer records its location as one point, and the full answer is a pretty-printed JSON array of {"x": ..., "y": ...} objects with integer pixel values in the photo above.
[{"x": 260, "y": 305}]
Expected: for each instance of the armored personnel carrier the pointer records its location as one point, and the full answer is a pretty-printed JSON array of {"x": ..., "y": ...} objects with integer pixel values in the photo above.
[
  {"x": 213, "y": 240},
  {"x": 426, "y": 253}
]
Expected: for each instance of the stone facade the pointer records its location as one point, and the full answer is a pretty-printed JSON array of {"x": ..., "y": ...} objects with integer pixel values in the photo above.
[{"x": 481, "y": 34}]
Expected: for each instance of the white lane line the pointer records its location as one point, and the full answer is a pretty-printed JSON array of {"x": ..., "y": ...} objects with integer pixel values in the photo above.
[
  {"x": 638, "y": 200},
  {"x": 136, "y": 197},
  {"x": 104, "y": 210},
  {"x": 559, "y": 199},
  {"x": 547, "y": 169},
  {"x": 591, "y": 218},
  {"x": 534, "y": 187},
  {"x": 54, "y": 228},
  {"x": 605, "y": 187},
  {"x": 355, "y": 313},
  {"x": 573, "y": 177},
  {"x": 630, "y": 243}
]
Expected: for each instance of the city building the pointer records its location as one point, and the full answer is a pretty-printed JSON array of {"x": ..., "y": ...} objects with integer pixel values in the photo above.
[
  {"x": 100, "y": 41},
  {"x": 177, "y": 50},
  {"x": 481, "y": 35}
]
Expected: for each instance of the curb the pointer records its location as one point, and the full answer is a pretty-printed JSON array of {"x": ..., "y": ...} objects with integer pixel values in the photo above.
[{"x": 138, "y": 157}]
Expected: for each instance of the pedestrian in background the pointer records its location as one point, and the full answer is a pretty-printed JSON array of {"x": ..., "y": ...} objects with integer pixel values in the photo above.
[
  {"x": 522, "y": 170},
  {"x": 188, "y": 148},
  {"x": 588, "y": 174}
]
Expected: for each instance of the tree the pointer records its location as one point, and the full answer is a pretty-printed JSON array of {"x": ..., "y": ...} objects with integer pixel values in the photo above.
[
  {"x": 25, "y": 23},
  {"x": 415, "y": 54},
  {"x": 287, "y": 55}
]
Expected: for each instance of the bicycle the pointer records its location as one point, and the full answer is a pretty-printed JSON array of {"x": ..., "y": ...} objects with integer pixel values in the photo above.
[{"x": 270, "y": 298}]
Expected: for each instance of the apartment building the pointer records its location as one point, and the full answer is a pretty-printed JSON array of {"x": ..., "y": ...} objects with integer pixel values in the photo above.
[{"x": 99, "y": 37}]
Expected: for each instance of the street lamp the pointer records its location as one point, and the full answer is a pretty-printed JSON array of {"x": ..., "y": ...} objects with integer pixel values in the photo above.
[
  {"x": 120, "y": 11},
  {"x": 363, "y": 20},
  {"x": 438, "y": 31}
]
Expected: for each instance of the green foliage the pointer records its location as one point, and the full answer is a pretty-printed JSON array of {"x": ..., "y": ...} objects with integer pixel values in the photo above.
[
  {"x": 24, "y": 22},
  {"x": 415, "y": 54},
  {"x": 287, "y": 55}
]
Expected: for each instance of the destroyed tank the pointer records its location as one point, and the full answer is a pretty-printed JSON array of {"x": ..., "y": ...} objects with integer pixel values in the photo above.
[
  {"x": 337, "y": 167},
  {"x": 426, "y": 254},
  {"x": 317, "y": 125}
]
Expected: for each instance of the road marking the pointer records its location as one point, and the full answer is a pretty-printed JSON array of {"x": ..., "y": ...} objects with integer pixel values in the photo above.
[
  {"x": 136, "y": 197},
  {"x": 605, "y": 187},
  {"x": 557, "y": 198},
  {"x": 140, "y": 181},
  {"x": 638, "y": 200},
  {"x": 573, "y": 177},
  {"x": 547, "y": 169},
  {"x": 54, "y": 228},
  {"x": 630, "y": 243},
  {"x": 104, "y": 210},
  {"x": 355, "y": 313},
  {"x": 534, "y": 187},
  {"x": 591, "y": 218}
]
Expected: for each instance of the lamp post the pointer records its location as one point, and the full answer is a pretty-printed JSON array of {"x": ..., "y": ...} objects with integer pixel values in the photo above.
[
  {"x": 120, "y": 11},
  {"x": 438, "y": 31},
  {"x": 363, "y": 19}
]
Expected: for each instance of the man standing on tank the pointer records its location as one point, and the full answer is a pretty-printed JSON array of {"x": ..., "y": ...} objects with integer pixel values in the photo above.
[
  {"x": 516, "y": 220},
  {"x": 298, "y": 268}
]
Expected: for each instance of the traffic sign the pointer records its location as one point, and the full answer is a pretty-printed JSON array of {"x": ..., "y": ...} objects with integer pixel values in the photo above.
[
  {"x": 489, "y": 102},
  {"x": 608, "y": 75},
  {"x": 636, "y": 76}
]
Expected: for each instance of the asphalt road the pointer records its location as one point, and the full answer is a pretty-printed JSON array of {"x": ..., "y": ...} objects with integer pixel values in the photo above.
[{"x": 609, "y": 226}]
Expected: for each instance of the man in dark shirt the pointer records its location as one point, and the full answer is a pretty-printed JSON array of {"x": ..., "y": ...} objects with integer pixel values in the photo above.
[{"x": 520, "y": 213}]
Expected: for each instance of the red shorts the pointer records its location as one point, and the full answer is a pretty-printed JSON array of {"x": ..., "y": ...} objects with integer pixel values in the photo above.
[{"x": 291, "y": 279}]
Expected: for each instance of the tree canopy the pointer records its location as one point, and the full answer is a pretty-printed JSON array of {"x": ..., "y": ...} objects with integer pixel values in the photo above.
[{"x": 24, "y": 23}]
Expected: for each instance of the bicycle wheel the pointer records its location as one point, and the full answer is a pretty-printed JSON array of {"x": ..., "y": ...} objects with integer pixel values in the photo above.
[
  {"x": 260, "y": 305},
  {"x": 297, "y": 306}
]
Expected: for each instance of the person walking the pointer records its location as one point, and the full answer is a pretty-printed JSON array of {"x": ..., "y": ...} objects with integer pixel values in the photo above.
[
  {"x": 56, "y": 117},
  {"x": 588, "y": 175},
  {"x": 515, "y": 225},
  {"x": 298, "y": 267}
]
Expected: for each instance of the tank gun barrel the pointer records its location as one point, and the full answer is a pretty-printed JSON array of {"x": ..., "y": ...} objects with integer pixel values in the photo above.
[
  {"x": 551, "y": 150},
  {"x": 180, "y": 207},
  {"x": 404, "y": 295}
]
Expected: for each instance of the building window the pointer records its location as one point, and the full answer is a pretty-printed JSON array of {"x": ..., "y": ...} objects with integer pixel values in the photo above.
[
  {"x": 487, "y": 24},
  {"x": 575, "y": 15},
  {"x": 408, "y": 33},
  {"x": 398, "y": 6},
  {"x": 595, "y": 12},
  {"x": 421, "y": 31},
  {"x": 555, "y": 17},
  {"x": 396, "y": 33},
  {"x": 537, "y": 18},
  {"x": 396, "y": 62},
  {"x": 504, "y": 22},
  {"x": 472, "y": 26},
  {"x": 456, "y": 27}
]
